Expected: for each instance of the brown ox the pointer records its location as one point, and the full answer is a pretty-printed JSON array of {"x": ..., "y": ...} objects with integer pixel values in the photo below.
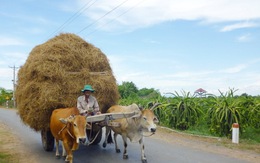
[
  {"x": 68, "y": 126},
  {"x": 131, "y": 128}
]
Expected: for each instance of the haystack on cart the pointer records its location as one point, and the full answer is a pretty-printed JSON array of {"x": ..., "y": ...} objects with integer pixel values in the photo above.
[{"x": 52, "y": 77}]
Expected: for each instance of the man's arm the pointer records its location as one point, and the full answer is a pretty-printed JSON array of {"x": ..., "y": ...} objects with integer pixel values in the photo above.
[
  {"x": 80, "y": 107},
  {"x": 96, "y": 106}
]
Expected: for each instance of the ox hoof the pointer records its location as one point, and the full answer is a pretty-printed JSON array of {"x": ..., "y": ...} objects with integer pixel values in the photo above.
[
  {"x": 67, "y": 160},
  {"x": 64, "y": 157},
  {"x": 125, "y": 156},
  {"x": 118, "y": 151},
  {"x": 57, "y": 156},
  {"x": 104, "y": 145},
  {"x": 144, "y": 161}
]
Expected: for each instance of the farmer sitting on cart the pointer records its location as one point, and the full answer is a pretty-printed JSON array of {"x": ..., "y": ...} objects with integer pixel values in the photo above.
[{"x": 87, "y": 104}]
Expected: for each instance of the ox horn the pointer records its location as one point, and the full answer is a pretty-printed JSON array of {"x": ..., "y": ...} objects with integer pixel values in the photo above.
[{"x": 155, "y": 105}]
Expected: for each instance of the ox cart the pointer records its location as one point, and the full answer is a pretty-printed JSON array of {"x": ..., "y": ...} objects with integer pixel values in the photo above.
[
  {"x": 94, "y": 133},
  {"x": 52, "y": 78}
]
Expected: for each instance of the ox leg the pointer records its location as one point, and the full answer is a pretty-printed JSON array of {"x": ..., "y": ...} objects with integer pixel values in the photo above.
[
  {"x": 125, "y": 155},
  {"x": 108, "y": 131},
  {"x": 69, "y": 158},
  {"x": 143, "y": 157},
  {"x": 57, "y": 149},
  {"x": 116, "y": 145},
  {"x": 64, "y": 154}
]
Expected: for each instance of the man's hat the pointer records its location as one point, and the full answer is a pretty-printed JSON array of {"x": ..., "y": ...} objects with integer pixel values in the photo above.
[{"x": 87, "y": 88}]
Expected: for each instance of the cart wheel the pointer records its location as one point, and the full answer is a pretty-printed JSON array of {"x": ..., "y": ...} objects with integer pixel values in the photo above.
[
  {"x": 91, "y": 134},
  {"x": 47, "y": 140}
]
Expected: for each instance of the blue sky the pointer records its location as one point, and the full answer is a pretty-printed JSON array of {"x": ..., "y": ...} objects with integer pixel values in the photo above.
[{"x": 168, "y": 45}]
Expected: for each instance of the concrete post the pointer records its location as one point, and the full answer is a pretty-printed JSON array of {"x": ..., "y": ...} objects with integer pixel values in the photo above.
[{"x": 235, "y": 133}]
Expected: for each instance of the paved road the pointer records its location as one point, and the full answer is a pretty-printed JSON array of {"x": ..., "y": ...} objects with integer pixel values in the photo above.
[{"x": 157, "y": 151}]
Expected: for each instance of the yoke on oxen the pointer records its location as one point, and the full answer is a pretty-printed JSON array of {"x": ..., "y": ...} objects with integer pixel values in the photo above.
[{"x": 105, "y": 119}]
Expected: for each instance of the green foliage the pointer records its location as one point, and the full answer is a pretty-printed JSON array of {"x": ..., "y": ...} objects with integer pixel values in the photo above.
[
  {"x": 224, "y": 111},
  {"x": 4, "y": 157},
  {"x": 209, "y": 115},
  {"x": 127, "y": 89},
  {"x": 251, "y": 133},
  {"x": 4, "y": 94},
  {"x": 250, "y": 110},
  {"x": 181, "y": 112},
  {"x": 129, "y": 94},
  {"x": 148, "y": 93}
]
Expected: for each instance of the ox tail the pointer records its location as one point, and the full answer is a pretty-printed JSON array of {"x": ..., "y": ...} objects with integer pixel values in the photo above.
[{"x": 109, "y": 138}]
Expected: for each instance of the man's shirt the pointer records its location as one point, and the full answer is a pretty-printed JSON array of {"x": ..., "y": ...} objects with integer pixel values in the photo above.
[{"x": 90, "y": 105}]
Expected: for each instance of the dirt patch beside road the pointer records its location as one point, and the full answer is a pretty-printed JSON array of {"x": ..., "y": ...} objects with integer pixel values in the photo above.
[
  {"x": 12, "y": 147},
  {"x": 223, "y": 146}
]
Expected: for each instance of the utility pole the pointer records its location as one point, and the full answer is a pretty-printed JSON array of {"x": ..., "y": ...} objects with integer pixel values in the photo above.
[{"x": 14, "y": 84}]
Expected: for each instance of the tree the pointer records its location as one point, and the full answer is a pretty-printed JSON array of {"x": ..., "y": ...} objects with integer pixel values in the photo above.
[
  {"x": 5, "y": 95},
  {"x": 127, "y": 89},
  {"x": 148, "y": 93}
]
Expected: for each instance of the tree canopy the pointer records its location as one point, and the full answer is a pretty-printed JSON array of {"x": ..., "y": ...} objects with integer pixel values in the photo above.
[
  {"x": 129, "y": 90},
  {"x": 5, "y": 95}
]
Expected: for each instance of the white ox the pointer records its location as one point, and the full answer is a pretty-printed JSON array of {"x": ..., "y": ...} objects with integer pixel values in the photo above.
[{"x": 132, "y": 128}]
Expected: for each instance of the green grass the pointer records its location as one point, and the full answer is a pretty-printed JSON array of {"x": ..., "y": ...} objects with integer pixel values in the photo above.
[
  {"x": 251, "y": 135},
  {"x": 248, "y": 140},
  {"x": 201, "y": 128},
  {"x": 4, "y": 157},
  {"x": 248, "y": 136}
]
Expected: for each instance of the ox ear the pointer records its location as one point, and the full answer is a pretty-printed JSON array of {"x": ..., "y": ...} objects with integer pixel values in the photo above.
[
  {"x": 155, "y": 120},
  {"x": 137, "y": 114},
  {"x": 65, "y": 121}
]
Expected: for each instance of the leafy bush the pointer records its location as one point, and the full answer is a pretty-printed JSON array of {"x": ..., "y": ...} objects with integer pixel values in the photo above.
[
  {"x": 4, "y": 94},
  {"x": 182, "y": 111},
  {"x": 224, "y": 111},
  {"x": 210, "y": 114}
]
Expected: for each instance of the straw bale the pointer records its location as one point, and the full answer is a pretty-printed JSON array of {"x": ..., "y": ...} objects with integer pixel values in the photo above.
[{"x": 54, "y": 74}]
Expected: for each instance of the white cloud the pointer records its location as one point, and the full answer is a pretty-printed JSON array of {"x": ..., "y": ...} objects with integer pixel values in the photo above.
[
  {"x": 211, "y": 83},
  {"x": 30, "y": 18},
  {"x": 151, "y": 41},
  {"x": 5, "y": 72},
  {"x": 15, "y": 55},
  {"x": 34, "y": 30},
  {"x": 238, "y": 26},
  {"x": 11, "y": 58},
  {"x": 190, "y": 74},
  {"x": 235, "y": 69},
  {"x": 152, "y": 12},
  {"x": 210, "y": 80},
  {"x": 244, "y": 38},
  {"x": 9, "y": 41}
]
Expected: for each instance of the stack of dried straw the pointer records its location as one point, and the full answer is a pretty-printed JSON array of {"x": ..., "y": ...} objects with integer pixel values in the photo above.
[{"x": 54, "y": 74}]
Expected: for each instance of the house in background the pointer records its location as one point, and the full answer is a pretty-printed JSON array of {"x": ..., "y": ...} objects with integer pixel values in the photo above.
[{"x": 200, "y": 92}]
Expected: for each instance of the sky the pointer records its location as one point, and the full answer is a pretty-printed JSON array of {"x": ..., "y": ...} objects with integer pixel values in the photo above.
[{"x": 169, "y": 45}]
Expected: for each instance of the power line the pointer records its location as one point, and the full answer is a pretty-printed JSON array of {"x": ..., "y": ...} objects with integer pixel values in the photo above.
[
  {"x": 137, "y": 4},
  {"x": 73, "y": 17},
  {"x": 102, "y": 16}
]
